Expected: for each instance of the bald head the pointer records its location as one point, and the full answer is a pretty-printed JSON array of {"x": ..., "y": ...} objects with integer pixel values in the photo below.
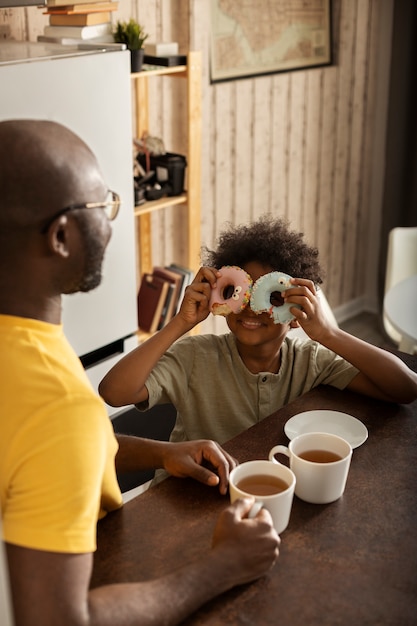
[{"x": 43, "y": 167}]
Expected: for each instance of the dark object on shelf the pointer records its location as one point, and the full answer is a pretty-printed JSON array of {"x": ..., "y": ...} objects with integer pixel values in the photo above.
[
  {"x": 168, "y": 61},
  {"x": 169, "y": 171},
  {"x": 136, "y": 60},
  {"x": 141, "y": 186},
  {"x": 157, "y": 191}
]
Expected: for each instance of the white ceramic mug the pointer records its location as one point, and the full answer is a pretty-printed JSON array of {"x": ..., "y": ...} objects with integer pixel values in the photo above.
[
  {"x": 278, "y": 503},
  {"x": 321, "y": 477}
]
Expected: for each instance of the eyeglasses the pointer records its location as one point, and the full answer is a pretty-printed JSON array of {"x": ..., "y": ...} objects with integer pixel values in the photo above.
[{"x": 110, "y": 206}]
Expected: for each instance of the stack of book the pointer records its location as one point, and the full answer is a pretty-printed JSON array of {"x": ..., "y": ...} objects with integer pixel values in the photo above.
[
  {"x": 160, "y": 295},
  {"x": 82, "y": 20}
]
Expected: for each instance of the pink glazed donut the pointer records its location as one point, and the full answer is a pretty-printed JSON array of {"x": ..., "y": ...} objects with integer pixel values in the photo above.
[
  {"x": 232, "y": 292},
  {"x": 260, "y": 301}
]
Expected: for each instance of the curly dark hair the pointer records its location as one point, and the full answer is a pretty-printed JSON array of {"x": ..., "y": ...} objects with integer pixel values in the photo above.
[{"x": 270, "y": 242}]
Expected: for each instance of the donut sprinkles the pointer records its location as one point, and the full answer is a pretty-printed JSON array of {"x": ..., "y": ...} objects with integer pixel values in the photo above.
[
  {"x": 232, "y": 292},
  {"x": 262, "y": 290}
]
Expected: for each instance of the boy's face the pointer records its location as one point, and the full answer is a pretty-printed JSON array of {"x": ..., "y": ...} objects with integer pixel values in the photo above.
[{"x": 251, "y": 328}]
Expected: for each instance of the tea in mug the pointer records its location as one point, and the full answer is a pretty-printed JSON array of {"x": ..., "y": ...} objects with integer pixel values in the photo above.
[
  {"x": 320, "y": 456},
  {"x": 262, "y": 485}
]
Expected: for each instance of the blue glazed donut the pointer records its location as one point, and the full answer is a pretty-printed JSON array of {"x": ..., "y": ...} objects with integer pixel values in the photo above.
[{"x": 262, "y": 289}]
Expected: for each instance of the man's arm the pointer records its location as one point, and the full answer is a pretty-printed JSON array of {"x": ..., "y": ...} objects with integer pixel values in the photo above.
[{"x": 53, "y": 588}]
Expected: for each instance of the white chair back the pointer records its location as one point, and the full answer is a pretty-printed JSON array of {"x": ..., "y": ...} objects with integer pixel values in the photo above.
[{"x": 401, "y": 264}]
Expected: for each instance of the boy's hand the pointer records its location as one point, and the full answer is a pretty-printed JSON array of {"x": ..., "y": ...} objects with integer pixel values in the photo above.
[
  {"x": 311, "y": 316},
  {"x": 195, "y": 305},
  {"x": 203, "y": 460}
]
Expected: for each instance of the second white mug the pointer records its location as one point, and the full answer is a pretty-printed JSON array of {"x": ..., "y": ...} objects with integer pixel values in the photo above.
[{"x": 320, "y": 462}]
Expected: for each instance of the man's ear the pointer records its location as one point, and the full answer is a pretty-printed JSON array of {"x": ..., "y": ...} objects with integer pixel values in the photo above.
[
  {"x": 58, "y": 236},
  {"x": 294, "y": 324}
]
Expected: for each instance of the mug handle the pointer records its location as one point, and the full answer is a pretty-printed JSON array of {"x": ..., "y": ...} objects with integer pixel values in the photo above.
[
  {"x": 278, "y": 450},
  {"x": 255, "y": 509}
]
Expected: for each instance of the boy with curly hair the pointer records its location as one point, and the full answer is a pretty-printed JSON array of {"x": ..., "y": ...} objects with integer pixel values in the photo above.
[{"x": 223, "y": 384}]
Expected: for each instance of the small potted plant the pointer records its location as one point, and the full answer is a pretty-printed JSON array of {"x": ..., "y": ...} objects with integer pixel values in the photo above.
[{"x": 133, "y": 35}]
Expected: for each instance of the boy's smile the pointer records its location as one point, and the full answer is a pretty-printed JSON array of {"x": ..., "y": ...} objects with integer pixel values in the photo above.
[{"x": 258, "y": 338}]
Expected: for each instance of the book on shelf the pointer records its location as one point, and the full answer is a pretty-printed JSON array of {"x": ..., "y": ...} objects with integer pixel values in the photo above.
[
  {"x": 80, "y": 19},
  {"x": 175, "y": 279},
  {"x": 186, "y": 275},
  {"x": 79, "y": 32},
  {"x": 160, "y": 295},
  {"x": 75, "y": 9},
  {"x": 166, "y": 313},
  {"x": 151, "y": 299}
]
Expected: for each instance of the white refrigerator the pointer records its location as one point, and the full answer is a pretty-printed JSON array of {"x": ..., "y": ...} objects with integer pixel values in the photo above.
[{"x": 89, "y": 91}]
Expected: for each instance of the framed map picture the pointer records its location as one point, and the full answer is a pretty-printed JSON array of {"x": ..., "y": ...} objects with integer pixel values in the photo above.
[{"x": 252, "y": 37}]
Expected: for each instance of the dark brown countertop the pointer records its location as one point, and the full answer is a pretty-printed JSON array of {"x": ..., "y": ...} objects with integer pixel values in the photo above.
[{"x": 350, "y": 562}]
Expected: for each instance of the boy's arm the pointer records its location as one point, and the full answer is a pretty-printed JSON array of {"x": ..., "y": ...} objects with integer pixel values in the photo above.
[
  {"x": 125, "y": 382},
  {"x": 201, "y": 459},
  {"x": 382, "y": 375}
]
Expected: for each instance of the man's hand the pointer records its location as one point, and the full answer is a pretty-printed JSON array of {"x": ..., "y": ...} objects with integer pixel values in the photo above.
[
  {"x": 202, "y": 460},
  {"x": 249, "y": 547}
]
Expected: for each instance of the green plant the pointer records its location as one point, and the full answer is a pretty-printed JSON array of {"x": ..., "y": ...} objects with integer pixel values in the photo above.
[{"x": 130, "y": 33}]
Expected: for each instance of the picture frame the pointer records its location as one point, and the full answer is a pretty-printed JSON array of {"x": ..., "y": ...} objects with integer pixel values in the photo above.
[{"x": 259, "y": 37}]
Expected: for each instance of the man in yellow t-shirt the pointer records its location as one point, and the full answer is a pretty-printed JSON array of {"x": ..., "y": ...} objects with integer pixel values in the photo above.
[
  {"x": 56, "y": 424},
  {"x": 58, "y": 454}
]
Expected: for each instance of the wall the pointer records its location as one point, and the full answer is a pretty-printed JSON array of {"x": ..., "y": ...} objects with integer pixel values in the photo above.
[{"x": 308, "y": 145}]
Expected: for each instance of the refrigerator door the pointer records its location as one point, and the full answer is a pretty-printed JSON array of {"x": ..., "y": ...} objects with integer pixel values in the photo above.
[{"x": 91, "y": 94}]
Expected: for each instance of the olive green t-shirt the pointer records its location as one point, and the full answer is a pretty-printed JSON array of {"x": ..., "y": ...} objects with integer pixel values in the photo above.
[{"x": 217, "y": 397}]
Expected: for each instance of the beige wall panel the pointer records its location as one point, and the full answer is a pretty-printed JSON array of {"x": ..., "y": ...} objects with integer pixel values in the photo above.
[
  {"x": 242, "y": 180},
  {"x": 341, "y": 202},
  {"x": 372, "y": 180},
  {"x": 314, "y": 123},
  {"x": 327, "y": 156},
  {"x": 126, "y": 10},
  {"x": 223, "y": 119},
  {"x": 208, "y": 182},
  {"x": 261, "y": 149},
  {"x": 352, "y": 210},
  {"x": 22, "y": 23},
  {"x": 297, "y": 122},
  {"x": 280, "y": 145}
]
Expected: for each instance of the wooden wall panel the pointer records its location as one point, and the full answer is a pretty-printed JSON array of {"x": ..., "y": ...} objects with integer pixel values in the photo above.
[
  {"x": 352, "y": 205},
  {"x": 243, "y": 147},
  {"x": 312, "y": 140},
  {"x": 258, "y": 165},
  {"x": 279, "y": 180},
  {"x": 22, "y": 24},
  {"x": 342, "y": 138},
  {"x": 298, "y": 144},
  {"x": 223, "y": 116}
]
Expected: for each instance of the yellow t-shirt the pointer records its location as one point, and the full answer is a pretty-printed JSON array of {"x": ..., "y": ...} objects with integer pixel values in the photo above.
[{"x": 57, "y": 447}]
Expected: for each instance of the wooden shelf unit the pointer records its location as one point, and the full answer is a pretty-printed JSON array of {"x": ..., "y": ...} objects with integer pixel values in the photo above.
[{"x": 192, "y": 197}]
